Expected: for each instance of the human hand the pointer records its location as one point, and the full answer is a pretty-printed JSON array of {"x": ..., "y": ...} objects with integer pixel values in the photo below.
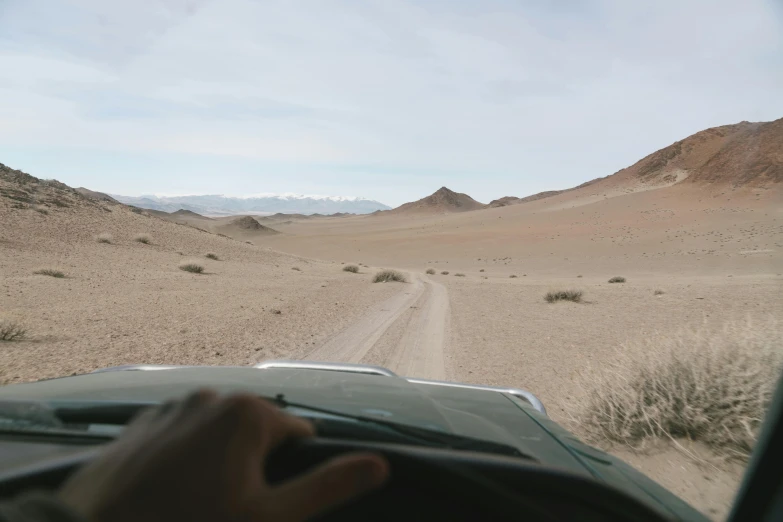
[{"x": 202, "y": 459}]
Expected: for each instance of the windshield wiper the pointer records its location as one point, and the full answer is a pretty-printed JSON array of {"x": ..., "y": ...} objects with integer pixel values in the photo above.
[
  {"x": 363, "y": 427},
  {"x": 413, "y": 434}
]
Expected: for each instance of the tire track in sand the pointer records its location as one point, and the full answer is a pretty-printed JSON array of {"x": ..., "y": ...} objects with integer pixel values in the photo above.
[
  {"x": 419, "y": 353},
  {"x": 420, "y": 350}
]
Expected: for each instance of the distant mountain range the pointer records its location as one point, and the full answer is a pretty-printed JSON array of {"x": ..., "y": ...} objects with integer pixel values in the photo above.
[{"x": 216, "y": 205}]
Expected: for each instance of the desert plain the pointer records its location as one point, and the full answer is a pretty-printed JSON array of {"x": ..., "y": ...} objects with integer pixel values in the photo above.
[{"x": 694, "y": 253}]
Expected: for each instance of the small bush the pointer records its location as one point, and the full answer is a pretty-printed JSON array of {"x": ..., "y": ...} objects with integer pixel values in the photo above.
[
  {"x": 212, "y": 255},
  {"x": 12, "y": 331},
  {"x": 385, "y": 276},
  {"x": 617, "y": 279},
  {"x": 104, "y": 238},
  {"x": 659, "y": 292},
  {"x": 142, "y": 238},
  {"x": 445, "y": 272},
  {"x": 481, "y": 270},
  {"x": 275, "y": 311},
  {"x": 41, "y": 210},
  {"x": 711, "y": 385},
  {"x": 512, "y": 276},
  {"x": 459, "y": 275},
  {"x": 50, "y": 272},
  {"x": 296, "y": 268},
  {"x": 351, "y": 268},
  {"x": 564, "y": 295},
  {"x": 192, "y": 267},
  {"x": 431, "y": 271},
  {"x": 579, "y": 276},
  {"x": 249, "y": 242}
]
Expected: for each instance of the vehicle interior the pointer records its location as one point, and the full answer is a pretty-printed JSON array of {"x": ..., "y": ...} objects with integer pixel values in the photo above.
[{"x": 432, "y": 477}]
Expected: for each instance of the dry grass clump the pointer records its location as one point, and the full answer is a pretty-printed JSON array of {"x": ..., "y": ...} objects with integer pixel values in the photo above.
[
  {"x": 659, "y": 292},
  {"x": 12, "y": 331},
  {"x": 296, "y": 268},
  {"x": 431, "y": 271},
  {"x": 459, "y": 275},
  {"x": 445, "y": 272},
  {"x": 143, "y": 238},
  {"x": 104, "y": 238},
  {"x": 351, "y": 268},
  {"x": 385, "y": 276},
  {"x": 192, "y": 266},
  {"x": 212, "y": 255},
  {"x": 52, "y": 272},
  {"x": 564, "y": 295},
  {"x": 706, "y": 385},
  {"x": 512, "y": 276},
  {"x": 617, "y": 279},
  {"x": 481, "y": 270}
]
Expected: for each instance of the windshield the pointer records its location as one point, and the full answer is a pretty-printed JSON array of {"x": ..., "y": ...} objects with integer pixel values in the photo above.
[{"x": 579, "y": 200}]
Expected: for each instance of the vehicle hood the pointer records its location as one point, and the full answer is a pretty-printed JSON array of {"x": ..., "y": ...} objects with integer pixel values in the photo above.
[{"x": 488, "y": 415}]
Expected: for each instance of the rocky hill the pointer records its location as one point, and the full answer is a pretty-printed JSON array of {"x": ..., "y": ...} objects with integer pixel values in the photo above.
[{"x": 441, "y": 202}]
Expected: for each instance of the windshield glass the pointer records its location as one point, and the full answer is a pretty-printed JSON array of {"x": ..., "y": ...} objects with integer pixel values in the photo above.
[{"x": 578, "y": 200}]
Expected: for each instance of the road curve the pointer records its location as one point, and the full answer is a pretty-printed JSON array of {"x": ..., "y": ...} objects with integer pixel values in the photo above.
[{"x": 420, "y": 350}]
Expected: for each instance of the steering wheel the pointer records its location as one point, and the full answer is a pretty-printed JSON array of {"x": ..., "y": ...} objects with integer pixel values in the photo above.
[
  {"x": 432, "y": 484},
  {"x": 425, "y": 484}
]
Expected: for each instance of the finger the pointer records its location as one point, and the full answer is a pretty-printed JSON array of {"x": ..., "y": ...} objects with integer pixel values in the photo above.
[
  {"x": 199, "y": 398},
  {"x": 260, "y": 426},
  {"x": 330, "y": 485}
]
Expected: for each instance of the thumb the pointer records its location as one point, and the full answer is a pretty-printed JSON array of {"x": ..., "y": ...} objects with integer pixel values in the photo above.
[{"x": 329, "y": 485}]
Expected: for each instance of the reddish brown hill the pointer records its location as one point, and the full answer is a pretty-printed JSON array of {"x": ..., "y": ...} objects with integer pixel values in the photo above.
[
  {"x": 743, "y": 154},
  {"x": 441, "y": 202}
]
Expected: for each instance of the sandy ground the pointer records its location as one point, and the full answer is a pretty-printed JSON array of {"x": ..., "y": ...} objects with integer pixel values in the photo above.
[
  {"x": 128, "y": 302},
  {"x": 716, "y": 257}
]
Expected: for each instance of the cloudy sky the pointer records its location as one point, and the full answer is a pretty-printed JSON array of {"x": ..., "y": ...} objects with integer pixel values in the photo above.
[{"x": 384, "y": 99}]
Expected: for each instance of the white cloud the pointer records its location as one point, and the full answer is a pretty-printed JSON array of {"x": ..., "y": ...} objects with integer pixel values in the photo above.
[{"x": 508, "y": 97}]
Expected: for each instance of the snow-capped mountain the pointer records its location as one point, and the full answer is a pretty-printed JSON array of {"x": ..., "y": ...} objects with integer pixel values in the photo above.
[{"x": 218, "y": 205}]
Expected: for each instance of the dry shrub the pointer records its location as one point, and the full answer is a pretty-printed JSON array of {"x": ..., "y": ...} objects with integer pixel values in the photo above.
[
  {"x": 512, "y": 276},
  {"x": 192, "y": 266},
  {"x": 351, "y": 268},
  {"x": 104, "y": 238},
  {"x": 12, "y": 331},
  {"x": 659, "y": 292},
  {"x": 459, "y": 275},
  {"x": 481, "y": 270},
  {"x": 563, "y": 295},
  {"x": 385, "y": 276},
  {"x": 445, "y": 272},
  {"x": 617, "y": 279},
  {"x": 706, "y": 385},
  {"x": 142, "y": 238},
  {"x": 212, "y": 255},
  {"x": 296, "y": 268},
  {"x": 52, "y": 272},
  {"x": 431, "y": 271}
]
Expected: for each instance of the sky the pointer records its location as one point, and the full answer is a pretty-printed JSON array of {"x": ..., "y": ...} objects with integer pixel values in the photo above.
[{"x": 388, "y": 100}]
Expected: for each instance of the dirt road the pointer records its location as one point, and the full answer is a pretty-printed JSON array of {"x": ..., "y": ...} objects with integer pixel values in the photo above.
[{"x": 420, "y": 350}]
